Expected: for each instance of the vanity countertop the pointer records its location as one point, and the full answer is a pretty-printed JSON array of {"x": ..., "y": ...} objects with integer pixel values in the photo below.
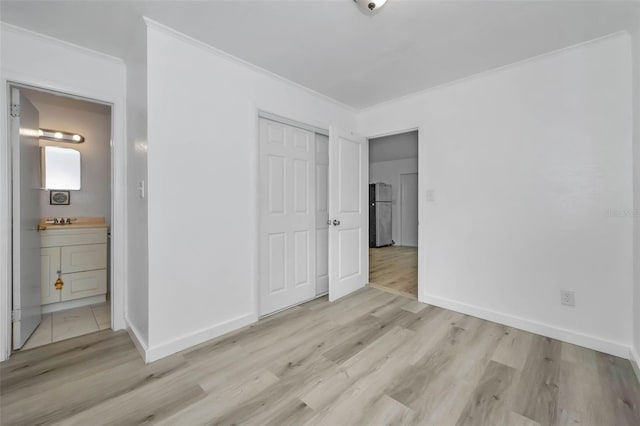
[{"x": 76, "y": 222}]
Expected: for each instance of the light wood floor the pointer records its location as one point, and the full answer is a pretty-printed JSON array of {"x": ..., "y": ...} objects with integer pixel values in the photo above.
[
  {"x": 395, "y": 269},
  {"x": 370, "y": 358}
]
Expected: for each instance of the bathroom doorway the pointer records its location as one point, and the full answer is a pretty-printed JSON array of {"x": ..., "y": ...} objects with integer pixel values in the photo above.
[
  {"x": 393, "y": 213},
  {"x": 62, "y": 207}
]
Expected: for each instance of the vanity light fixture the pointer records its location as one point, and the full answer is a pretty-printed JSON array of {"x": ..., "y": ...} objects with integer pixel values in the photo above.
[
  {"x": 60, "y": 136},
  {"x": 370, "y": 6}
]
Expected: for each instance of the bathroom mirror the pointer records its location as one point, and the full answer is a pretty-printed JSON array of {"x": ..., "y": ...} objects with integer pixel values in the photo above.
[{"x": 60, "y": 168}]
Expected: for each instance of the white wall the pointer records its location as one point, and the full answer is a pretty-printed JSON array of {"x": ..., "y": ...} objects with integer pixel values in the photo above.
[
  {"x": 202, "y": 171},
  {"x": 37, "y": 60},
  {"x": 389, "y": 172},
  {"x": 530, "y": 165},
  {"x": 137, "y": 248},
  {"x": 636, "y": 193},
  {"x": 92, "y": 121},
  {"x": 393, "y": 147}
]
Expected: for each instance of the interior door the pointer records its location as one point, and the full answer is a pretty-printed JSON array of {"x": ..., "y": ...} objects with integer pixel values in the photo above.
[
  {"x": 287, "y": 216},
  {"x": 322, "y": 214},
  {"x": 409, "y": 209},
  {"x": 348, "y": 211},
  {"x": 26, "y": 216}
]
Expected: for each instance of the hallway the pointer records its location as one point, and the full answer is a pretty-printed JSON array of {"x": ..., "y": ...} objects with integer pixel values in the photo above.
[{"x": 394, "y": 269}]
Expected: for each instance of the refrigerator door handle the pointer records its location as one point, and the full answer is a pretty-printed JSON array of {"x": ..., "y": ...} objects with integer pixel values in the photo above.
[{"x": 336, "y": 222}]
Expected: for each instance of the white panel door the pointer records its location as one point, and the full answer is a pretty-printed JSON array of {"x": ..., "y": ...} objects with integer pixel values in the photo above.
[
  {"x": 287, "y": 244},
  {"x": 26, "y": 216},
  {"x": 322, "y": 214},
  {"x": 409, "y": 209},
  {"x": 348, "y": 211}
]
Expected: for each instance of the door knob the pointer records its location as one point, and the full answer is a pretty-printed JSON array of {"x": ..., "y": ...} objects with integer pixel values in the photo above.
[
  {"x": 59, "y": 283},
  {"x": 336, "y": 222}
]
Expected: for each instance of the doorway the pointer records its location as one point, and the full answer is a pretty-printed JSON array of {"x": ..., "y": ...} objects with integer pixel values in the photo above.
[
  {"x": 62, "y": 205},
  {"x": 393, "y": 213}
]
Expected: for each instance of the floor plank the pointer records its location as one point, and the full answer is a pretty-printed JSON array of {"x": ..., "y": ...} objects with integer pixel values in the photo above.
[
  {"x": 538, "y": 386},
  {"x": 487, "y": 405},
  {"x": 371, "y": 358},
  {"x": 394, "y": 269}
]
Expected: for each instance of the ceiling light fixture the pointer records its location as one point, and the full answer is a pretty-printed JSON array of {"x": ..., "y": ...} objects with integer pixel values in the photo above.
[
  {"x": 370, "y": 6},
  {"x": 60, "y": 136}
]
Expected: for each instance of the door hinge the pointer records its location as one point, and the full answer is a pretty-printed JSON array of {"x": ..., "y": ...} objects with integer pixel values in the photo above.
[
  {"x": 16, "y": 315},
  {"x": 15, "y": 110}
]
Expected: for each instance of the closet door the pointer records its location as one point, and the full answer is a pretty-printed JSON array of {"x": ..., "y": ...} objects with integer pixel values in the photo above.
[
  {"x": 322, "y": 214},
  {"x": 287, "y": 246}
]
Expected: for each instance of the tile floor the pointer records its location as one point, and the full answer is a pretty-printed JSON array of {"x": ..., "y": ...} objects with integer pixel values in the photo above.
[{"x": 70, "y": 323}]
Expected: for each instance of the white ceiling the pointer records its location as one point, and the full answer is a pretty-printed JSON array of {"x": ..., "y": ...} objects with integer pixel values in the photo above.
[
  {"x": 394, "y": 147},
  {"x": 38, "y": 97},
  {"x": 331, "y": 47}
]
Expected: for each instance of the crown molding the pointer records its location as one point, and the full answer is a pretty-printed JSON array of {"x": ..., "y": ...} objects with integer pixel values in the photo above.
[
  {"x": 63, "y": 43},
  {"x": 229, "y": 57}
]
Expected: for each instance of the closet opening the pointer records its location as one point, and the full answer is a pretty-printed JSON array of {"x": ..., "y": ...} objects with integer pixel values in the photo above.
[
  {"x": 312, "y": 213},
  {"x": 293, "y": 214}
]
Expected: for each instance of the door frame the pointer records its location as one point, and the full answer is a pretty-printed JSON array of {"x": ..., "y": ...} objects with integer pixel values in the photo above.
[
  {"x": 118, "y": 223},
  {"x": 402, "y": 200},
  {"x": 259, "y": 113},
  {"x": 422, "y": 285}
]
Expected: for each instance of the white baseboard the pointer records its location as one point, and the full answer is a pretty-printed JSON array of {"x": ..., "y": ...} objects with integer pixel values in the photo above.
[
  {"x": 138, "y": 342},
  {"x": 70, "y": 304},
  {"x": 634, "y": 357},
  {"x": 580, "y": 339},
  {"x": 176, "y": 345}
]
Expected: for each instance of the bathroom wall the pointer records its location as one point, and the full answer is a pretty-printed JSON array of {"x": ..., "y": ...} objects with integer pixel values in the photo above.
[{"x": 93, "y": 121}]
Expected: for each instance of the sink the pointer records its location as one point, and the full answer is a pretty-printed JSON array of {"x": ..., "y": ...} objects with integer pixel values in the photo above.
[{"x": 73, "y": 222}]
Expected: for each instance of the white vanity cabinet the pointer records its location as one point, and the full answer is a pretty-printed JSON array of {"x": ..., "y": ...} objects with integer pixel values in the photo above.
[{"x": 80, "y": 254}]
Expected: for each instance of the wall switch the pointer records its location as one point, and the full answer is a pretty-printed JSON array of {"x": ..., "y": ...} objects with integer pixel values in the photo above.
[
  {"x": 141, "y": 188},
  {"x": 431, "y": 195},
  {"x": 568, "y": 298}
]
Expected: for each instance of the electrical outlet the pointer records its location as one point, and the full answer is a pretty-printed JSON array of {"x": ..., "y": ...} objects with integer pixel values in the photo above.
[{"x": 568, "y": 298}]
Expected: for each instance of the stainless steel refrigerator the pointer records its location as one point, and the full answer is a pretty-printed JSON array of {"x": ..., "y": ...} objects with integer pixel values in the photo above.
[{"x": 380, "y": 215}]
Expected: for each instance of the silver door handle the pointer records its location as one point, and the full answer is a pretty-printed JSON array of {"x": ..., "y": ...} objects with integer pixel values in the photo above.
[{"x": 336, "y": 222}]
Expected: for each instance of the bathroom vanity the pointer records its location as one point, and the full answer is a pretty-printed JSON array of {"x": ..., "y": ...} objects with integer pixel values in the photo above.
[{"x": 76, "y": 254}]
